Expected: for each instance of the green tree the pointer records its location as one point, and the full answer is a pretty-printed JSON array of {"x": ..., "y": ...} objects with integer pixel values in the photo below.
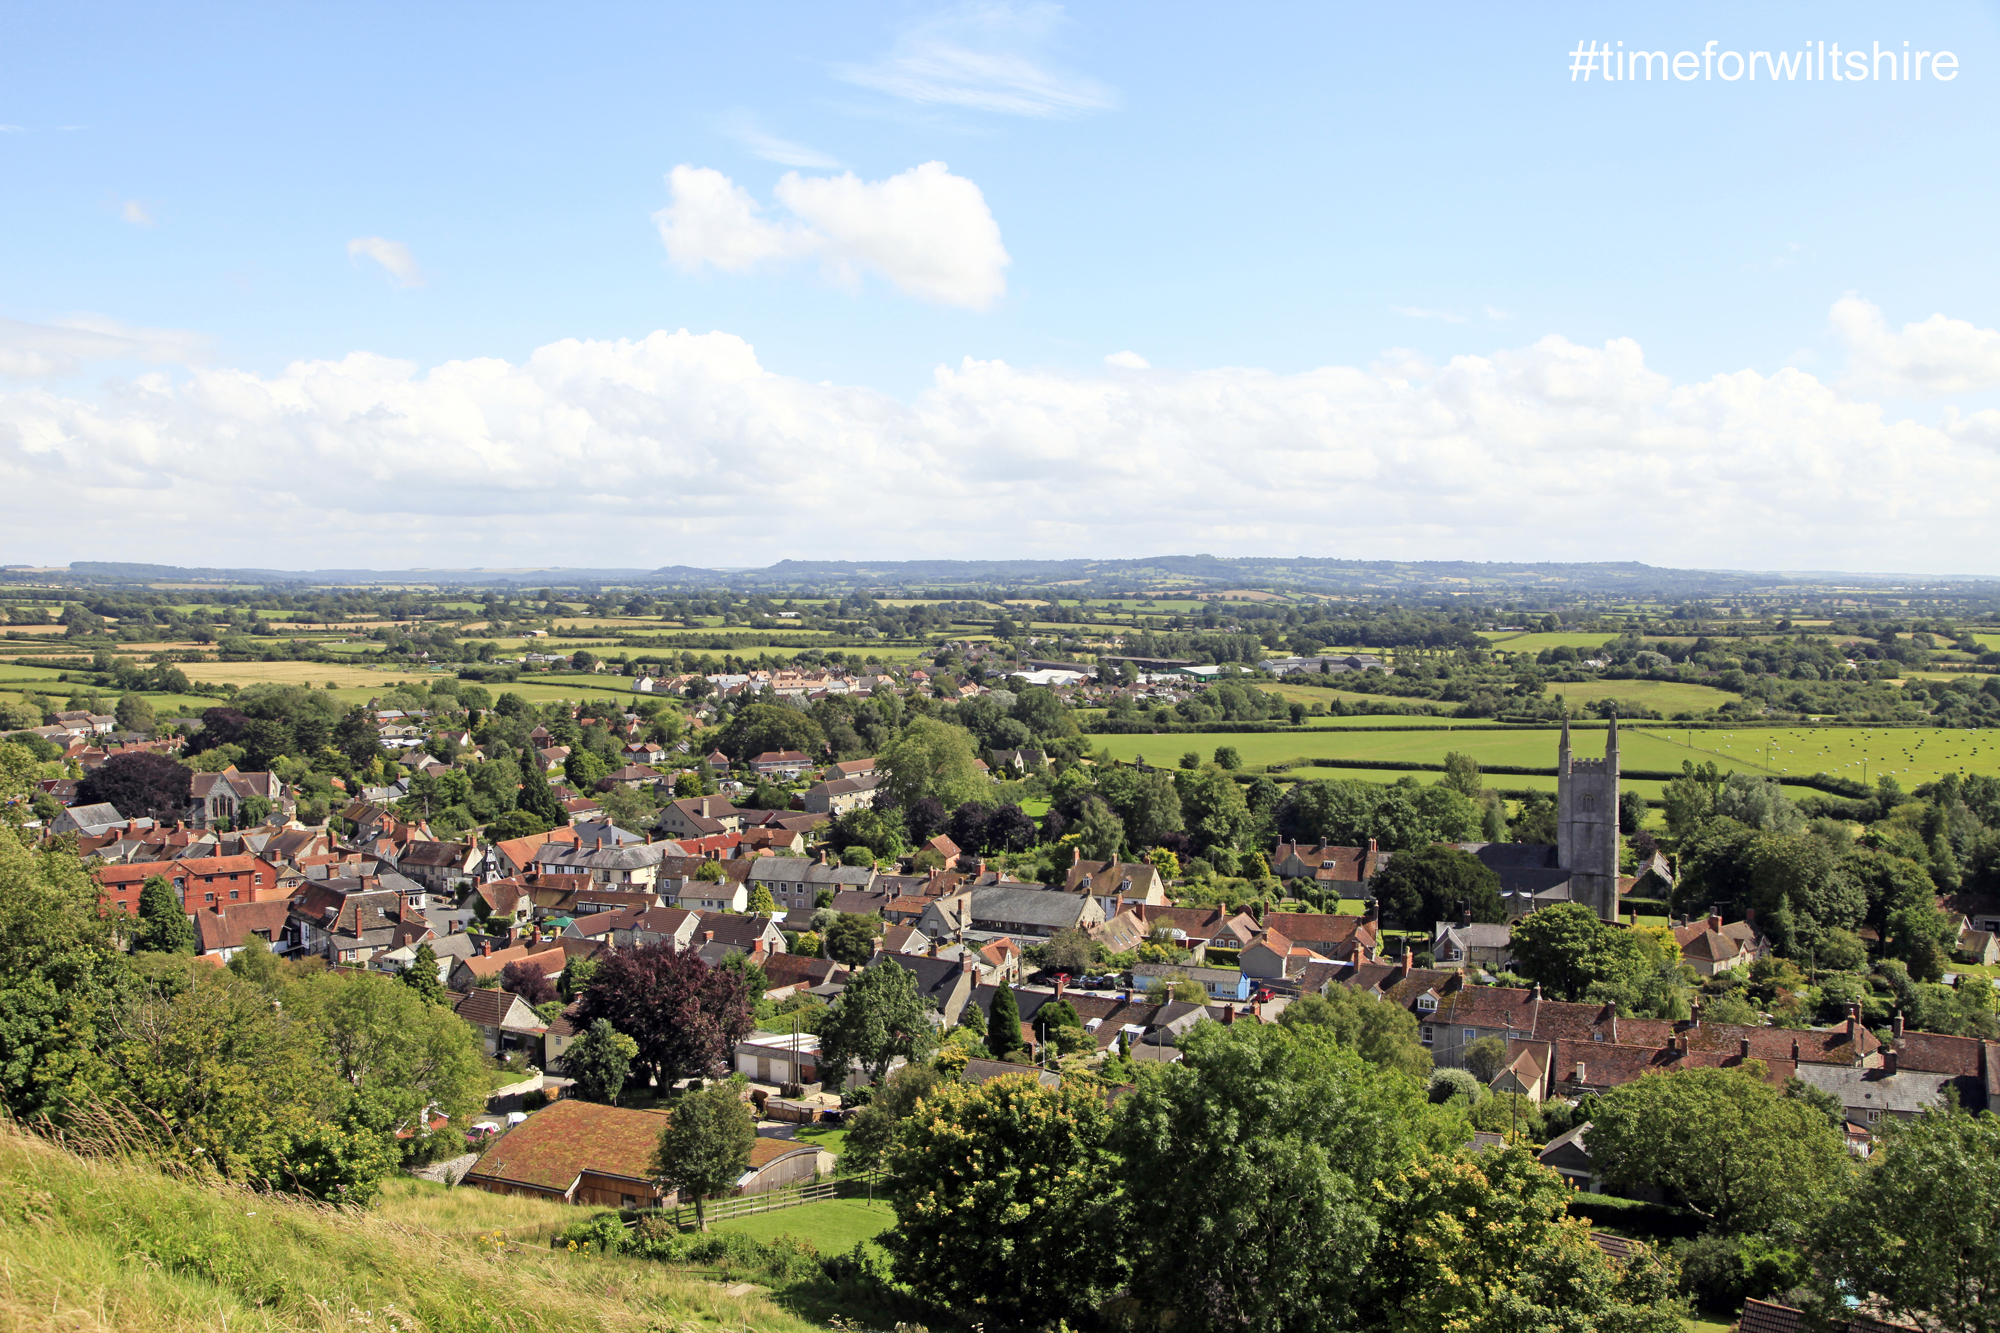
[
  {"x": 931, "y": 758},
  {"x": 1214, "y": 810},
  {"x": 1690, "y": 798},
  {"x": 878, "y": 1018},
  {"x": 536, "y": 799},
  {"x": 513, "y": 824},
  {"x": 422, "y": 976},
  {"x": 872, "y": 1130},
  {"x": 762, "y": 728},
  {"x": 1422, "y": 887},
  {"x": 999, "y": 1193},
  {"x": 162, "y": 927},
  {"x": 403, "y": 1057},
  {"x": 255, "y": 963},
  {"x": 135, "y": 713},
  {"x": 1070, "y": 950},
  {"x": 1003, "y": 1025},
  {"x": 1380, "y": 1031},
  {"x": 1227, "y": 759},
  {"x": 1484, "y": 1244},
  {"x": 600, "y": 1061},
  {"x": 762, "y": 901},
  {"x": 1920, "y": 1232},
  {"x": 1249, "y": 1175},
  {"x": 1724, "y": 1143},
  {"x": 1099, "y": 832},
  {"x": 850, "y": 937},
  {"x": 1485, "y": 1058},
  {"x": 1568, "y": 949},
  {"x": 706, "y": 1146},
  {"x": 1461, "y": 774}
]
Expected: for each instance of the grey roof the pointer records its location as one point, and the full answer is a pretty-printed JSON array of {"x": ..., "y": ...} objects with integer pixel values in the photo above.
[
  {"x": 562, "y": 858},
  {"x": 935, "y": 976},
  {"x": 90, "y": 816},
  {"x": 800, "y": 870},
  {"x": 1029, "y": 905},
  {"x": 1905, "y": 1091},
  {"x": 1221, "y": 975},
  {"x": 1478, "y": 935}
]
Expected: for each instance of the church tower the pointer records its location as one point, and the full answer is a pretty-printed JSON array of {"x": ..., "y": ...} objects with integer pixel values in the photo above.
[{"x": 1587, "y": 824}]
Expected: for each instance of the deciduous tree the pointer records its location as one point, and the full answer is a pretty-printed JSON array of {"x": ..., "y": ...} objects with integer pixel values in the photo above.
[
  {"x": 706, "y": 1146},
  {"x": 600, "y": 1061},
  {"x": 141, "y": 785},
  {"x": 685, "y": 1015},
  {"x": 877, "y": 1019}
]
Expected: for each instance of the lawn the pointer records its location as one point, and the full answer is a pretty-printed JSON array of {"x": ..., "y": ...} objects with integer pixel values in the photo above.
[
  {"x": 834, "y": 1226},
  {"x": 830, "y": 1137},
  {"x": 1535, "y": 643}
]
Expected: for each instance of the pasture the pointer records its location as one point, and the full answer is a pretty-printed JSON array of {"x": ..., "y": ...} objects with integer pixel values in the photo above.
[
  {"x": 1911, "y": 755},
  {"x": 834, "y": 1226},
  {"x": 1486, "y": 744},
  {"x": 1665, "y": 696},
  {"x": 1536, "y": 642}
]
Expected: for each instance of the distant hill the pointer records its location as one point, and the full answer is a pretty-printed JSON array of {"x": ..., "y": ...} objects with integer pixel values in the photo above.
[{"x": 1154, "y": 573}]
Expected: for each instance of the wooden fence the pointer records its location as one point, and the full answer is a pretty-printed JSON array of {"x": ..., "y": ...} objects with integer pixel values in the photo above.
[{"x": 721, "y": 1210}]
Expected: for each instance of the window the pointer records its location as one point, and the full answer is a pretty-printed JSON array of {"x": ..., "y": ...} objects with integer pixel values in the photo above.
[
  {"x": 208, "y": 897},
  {"x": 1471, "y": 1034},
  {"x": 1427, "y": 1003},
  {"x": 1428, "y": 1034},
  {"x": 1873, "y": 1116}
]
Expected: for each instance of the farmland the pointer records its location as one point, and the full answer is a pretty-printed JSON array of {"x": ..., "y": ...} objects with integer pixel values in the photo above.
[
  {"x": 1662, "y": 696},
  {"x": 1488, "y": 745},
  {"x": 1911, "y": 755}
]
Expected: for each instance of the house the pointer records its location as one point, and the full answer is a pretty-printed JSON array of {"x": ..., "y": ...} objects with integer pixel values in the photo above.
[
  {"x": 796, "y": 883},
  {"x": 223, "y": 930},
  {"x": 995, "y": 961},
  {"x": 1568, "y": 1156},
  {"x": 1339, "y": 937},
  {"x": 1027, "y": 909},
  {"x": 795, "y": 972},
  {"x": 780, "y": 1059},
  {"x": 86, "y": 819},
  {"x": 731, "y": 933},
  {"x": 1887, "y": 1090},
  {"x": 1711, "y": 947},
  {"x": 780, "y": 763},
  {"x": 1467, "y": 943},
  {"x": 1113, "y": 881},
  {"x": 1017, "y": 763},
  {"x": 505, "y": 1021},
  {"x": 200, "y": 882},
  {"x": 627, "y": 865},
  {"x": 1971, "y": 1063},
  {"x": 217, "y": 797},
  {"x": 671, "y": 926},
  {"x": 502, "y": 905},
  {"x": 903, "y": 939},
  {"x": 944, "y": 847},
  {"x": 1271, "y": 956},
  {"x": 943, "y": 984},
  {"x": 1326, "y": 863},
  {"x": 441, "y": 867},
  {"x": 351, "y": 927},
  {"x": 705, "y": 895},
  {"x": 1220, "y": 983},
  {"x": 851, "y": 768},
  {"x": 1981, "y": 947},
  {"x": 579, "y": 1152},
  {"x": 837, "y": 796},
  {"x": 467, "y": 973},
  {"x": 699, "y": 816},
  {"x": 516, "y": 856}
]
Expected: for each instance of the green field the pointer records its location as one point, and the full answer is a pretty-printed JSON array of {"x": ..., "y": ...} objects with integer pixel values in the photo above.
[
  {"x": 1911, "y": 755},
  {"x": 1664, "y": 696},
  {"x": 834, "y": 1226},
  {"x": 1535, "y": 643}
]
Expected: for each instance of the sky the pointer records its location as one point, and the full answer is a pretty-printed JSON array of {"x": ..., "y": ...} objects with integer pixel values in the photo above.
[{"x": 637, "y": 285}]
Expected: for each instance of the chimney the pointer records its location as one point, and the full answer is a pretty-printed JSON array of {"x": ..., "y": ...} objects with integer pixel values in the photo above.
[
  {"x": 1075, "y": 855},
  {"x": 1464, "y": 914},
  {"x": 708, "y": 937},
  {"x": 1062, "y": 981},
  {"x": 1853, "y": 1023},
  {"x": 1795, "y": 1050},
  {"x": 966, "y": 961},
  {"x": 1743, "y": 1048},
  {"x": 1888, "y": 1059},
  {"x": 1715, "y": 921},
  {"x": 1694, "y": 1010},
  {"x": 1409, "y": 960},
  {"x": 1228, "y": 1014},
  {"x": 1750, "y": 916},
  {"x": 1613, "y": 1008},
  {"x": 1127, "y": 997},
  {"x": 485, "y": 948},
  {"x": 1897, "y": 1024},
  {"x": 1582, "y": 1070}
]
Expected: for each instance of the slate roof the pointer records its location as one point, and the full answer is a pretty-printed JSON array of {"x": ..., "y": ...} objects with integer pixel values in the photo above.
[{"x": 1032, "y": 906}]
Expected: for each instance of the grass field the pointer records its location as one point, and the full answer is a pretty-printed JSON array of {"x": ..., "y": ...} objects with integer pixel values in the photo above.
[
  {"x": 1489, "y": 746},
  {"x": 1665, "y": 696},
  {"x": 1535, "y": 643},
  {"x": 316, "y": 674},
  {"x": 102, "y": 1245},
  {"x": 1910, "y": 754},
  {"x": 834, "y": 1226}
]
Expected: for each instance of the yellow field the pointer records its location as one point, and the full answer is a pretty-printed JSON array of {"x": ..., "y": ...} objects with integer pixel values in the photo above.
[
  {"x": 316, "y": 674},
  {"x": 1667, "y": 696}
]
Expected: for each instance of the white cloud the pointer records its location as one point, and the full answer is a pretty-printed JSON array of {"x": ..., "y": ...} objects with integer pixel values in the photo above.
[
  {"x": 61, "y": 346},
  {"x": 678, "y": 448},
  {"x": 1418, "y": 312},
  {"x": 391, "y": 255},
  {"x": 1128, "y": 361},
  {"x": 744, "y": 128},
  {"x": 135, "y": 213},
  {"x": 925, "y": 230},
  {"x": 985, "y": 57},
  {"x": 1938, "y": 356}
]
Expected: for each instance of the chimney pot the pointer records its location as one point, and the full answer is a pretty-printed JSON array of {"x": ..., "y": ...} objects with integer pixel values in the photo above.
[{"x": 1715, "y": 921}]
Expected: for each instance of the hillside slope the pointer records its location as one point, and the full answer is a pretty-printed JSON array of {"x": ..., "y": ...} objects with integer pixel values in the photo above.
[{"x": 100, "y": 1245}]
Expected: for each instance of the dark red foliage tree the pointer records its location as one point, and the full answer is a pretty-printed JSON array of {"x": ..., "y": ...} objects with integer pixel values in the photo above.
[
  {"x": 925, "y": 819},
  {"x": 142, "y": 786},
  {"x": 685, "y": 1015},
  {"x": 1010, "y": 829},
  {"x": 528, "y": 981}
]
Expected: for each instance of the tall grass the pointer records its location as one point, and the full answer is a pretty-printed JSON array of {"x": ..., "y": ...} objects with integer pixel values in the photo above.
[{"x": 110, "y": 1243}]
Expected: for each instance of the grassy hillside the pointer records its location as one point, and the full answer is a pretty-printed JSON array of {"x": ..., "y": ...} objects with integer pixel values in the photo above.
[{"x": 98, "y": 1245}]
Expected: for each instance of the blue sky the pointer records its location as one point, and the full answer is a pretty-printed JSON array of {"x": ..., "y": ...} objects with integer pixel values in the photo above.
[{"x": 1388, "y": 282}]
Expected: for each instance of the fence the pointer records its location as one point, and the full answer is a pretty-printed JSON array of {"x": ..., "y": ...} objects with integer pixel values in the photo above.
[{"x": 721, "y": 1210}]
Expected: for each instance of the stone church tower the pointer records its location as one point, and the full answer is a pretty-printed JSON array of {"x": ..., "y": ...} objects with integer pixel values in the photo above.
[{"x": 1587, "y": 824}]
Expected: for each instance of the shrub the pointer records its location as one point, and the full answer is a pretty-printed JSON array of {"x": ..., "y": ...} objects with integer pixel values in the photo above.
[
  {"x": 1446, "y": 1084},
  {"x": 601, "y": 1234},
  {"x": 535, "y": 1100}
]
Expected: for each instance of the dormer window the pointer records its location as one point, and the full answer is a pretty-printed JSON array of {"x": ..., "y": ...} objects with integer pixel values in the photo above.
[{"x": 1427, "y": 1003}]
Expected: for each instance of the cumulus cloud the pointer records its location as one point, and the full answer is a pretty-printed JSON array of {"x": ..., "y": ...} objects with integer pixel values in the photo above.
[
  {"x": 986, "y": 58},
  {"x": 678, "y": 448},
  {"x": 1128, "y": 361},
  {"x": 393, "y": 256},
  {"x": 1938, "y": 356},
  {"x": 927, "y": 231},
  {"x": 61, "y": 346}
]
